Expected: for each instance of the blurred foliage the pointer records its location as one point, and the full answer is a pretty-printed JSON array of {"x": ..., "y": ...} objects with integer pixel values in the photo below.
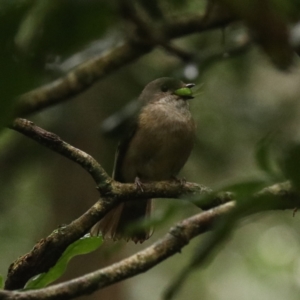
[
  {"x": 59, "y": 27},
  {"x": 247, "y": 112},
  {"x": 36, "y": 33},
  {"x": 291, "y": 165},
  {"x": 268, "y": 26}
]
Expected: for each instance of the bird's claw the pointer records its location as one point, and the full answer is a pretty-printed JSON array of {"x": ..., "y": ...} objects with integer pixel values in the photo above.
[
  {"x": 182, "y": 181},
  {"x": 138, "y": 184}
]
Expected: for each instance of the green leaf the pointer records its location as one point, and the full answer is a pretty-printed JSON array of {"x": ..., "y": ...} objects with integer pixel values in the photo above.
[{"x": 84, "y": 245}]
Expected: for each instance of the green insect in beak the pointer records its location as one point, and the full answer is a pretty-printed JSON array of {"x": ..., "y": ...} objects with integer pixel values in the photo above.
[{"x": 186, "y": 91}]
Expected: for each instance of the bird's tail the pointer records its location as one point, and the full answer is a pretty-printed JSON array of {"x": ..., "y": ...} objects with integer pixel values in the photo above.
[{"x": 115, "y": 223}]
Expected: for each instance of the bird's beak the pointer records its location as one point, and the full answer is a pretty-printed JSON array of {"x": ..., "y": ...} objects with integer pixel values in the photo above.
[
  {"x": 190, "y": 85},
  {"x": 186, "y": 91}
]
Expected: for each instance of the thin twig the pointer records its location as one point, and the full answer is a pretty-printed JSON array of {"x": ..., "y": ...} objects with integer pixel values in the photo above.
[{"x": 55, "y": 143}]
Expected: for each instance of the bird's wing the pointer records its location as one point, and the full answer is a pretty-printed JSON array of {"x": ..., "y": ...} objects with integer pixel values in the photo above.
[{"x": 122, "y": 149}]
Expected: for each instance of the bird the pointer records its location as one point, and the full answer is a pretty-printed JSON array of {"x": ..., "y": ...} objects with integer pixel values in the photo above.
[{"x": 156, "y": 148}]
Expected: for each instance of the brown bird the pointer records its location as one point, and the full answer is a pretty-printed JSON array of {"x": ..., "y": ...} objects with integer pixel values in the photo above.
[{"x": 156, "y": 149}]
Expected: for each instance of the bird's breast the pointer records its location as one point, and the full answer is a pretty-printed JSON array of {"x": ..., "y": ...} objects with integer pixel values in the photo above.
[{"x": 161, "y": 145}]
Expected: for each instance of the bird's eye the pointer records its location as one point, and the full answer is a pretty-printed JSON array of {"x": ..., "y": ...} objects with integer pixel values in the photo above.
[{"x": 164, "y": 88}]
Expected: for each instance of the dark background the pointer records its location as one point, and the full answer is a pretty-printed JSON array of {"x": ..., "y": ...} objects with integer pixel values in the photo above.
[{"x": 240, "y": 100}]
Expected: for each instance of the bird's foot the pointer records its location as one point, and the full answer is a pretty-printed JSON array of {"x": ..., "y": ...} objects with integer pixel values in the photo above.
[
  {"x": 138, "y": 183},
  {"x": 182, "y": 181}
]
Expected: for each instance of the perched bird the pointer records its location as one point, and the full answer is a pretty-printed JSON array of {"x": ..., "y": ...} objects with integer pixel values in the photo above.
[{"x": 157, "y": 147}]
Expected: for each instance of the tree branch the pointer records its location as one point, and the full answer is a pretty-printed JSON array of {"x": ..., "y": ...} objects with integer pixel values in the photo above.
[
  {"x": 86, "y": 74},
  {"x": 47, "y": 251},
  {"x": 55, "y": 143},
  {"x": 178, "y": 237},
  {"x": 283, "y": 197},
  {"x": 105, "y": 184}
]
